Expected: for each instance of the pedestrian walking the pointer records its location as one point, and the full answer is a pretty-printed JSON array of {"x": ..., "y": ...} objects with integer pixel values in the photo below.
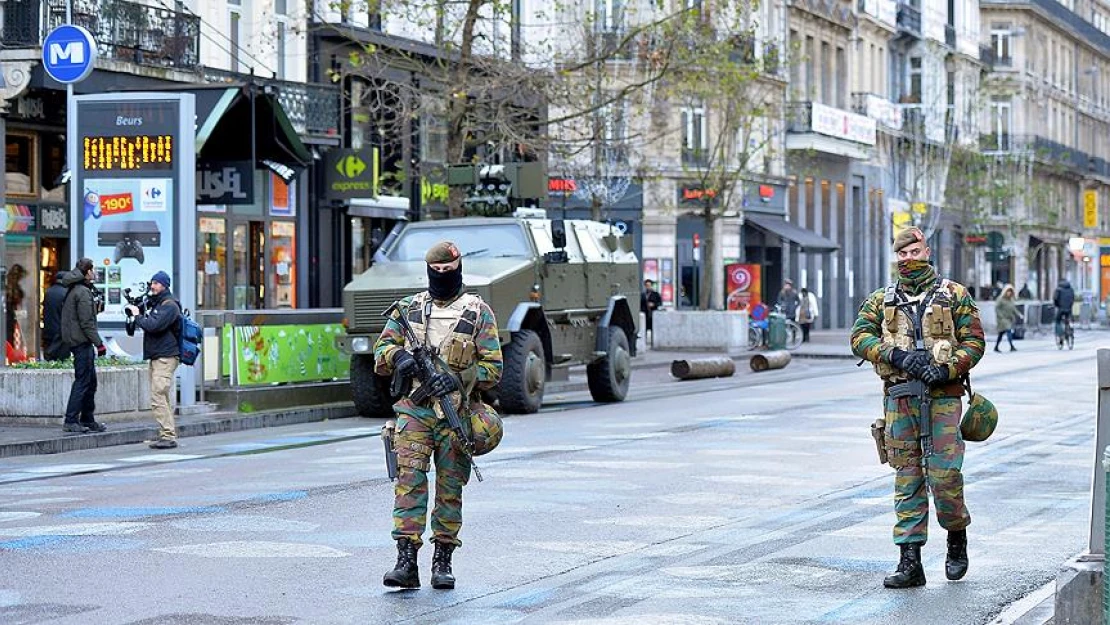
[
  {"x": 1025, "y": 293},
  {"x": 650, "y": 301},
  {"x": 463, "y": 329},
  {"x": 788, "y": 299},
  {"x": 160, "y": 322},
  {"x": 807, "y": 312},
  {"x": 81, "y": 337},
  {"x": 1006, "y": 315},
  {"x": 923, "y": 335},
  {"x": 53, "y": 348}
]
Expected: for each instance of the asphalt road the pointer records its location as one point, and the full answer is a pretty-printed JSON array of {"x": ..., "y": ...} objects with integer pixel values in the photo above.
[{"x": 755, "y": 499}]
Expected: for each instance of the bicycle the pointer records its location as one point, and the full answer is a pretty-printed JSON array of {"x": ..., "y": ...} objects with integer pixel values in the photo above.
[
  {"x": 1065, "y": 333},
  {"x": 758, "y": 334}
]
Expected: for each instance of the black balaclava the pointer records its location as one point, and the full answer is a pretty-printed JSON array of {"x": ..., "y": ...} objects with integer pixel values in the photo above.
[{"x": 444, "y": 285}]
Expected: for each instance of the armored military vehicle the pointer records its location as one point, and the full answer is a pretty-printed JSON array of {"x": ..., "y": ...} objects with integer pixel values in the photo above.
[{"x": 564, "y": 293}]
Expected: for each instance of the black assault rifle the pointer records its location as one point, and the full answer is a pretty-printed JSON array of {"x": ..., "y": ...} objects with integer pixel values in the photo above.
[
  {"x": 918, "y": 388},
  {"x": 426, "y": 369}
]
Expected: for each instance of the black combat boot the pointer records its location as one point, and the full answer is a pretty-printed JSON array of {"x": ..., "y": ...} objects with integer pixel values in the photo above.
[
  {"x": 442, "y": 578},
  {"x": 909, "y": 573},
  {"x": 955, "y": 565},
  {"x": 405, "y": 574}
]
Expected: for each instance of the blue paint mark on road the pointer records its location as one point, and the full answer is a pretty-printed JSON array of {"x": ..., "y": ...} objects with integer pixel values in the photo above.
[
  {"x": 236, "y": 447},
  {"x": 852, "y": 565},
  {"x": 870, "y": 607},
  {"x": 292, "y": 495},
  {"x": 127, "y": 513},
  {"x": 529, "y": 600},
  {"x": 295, "y": 440},
  {"x": 32, "y": 542}
]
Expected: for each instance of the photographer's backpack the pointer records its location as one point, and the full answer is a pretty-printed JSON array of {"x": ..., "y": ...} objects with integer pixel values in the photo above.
[{"x": 189, "y": 336}]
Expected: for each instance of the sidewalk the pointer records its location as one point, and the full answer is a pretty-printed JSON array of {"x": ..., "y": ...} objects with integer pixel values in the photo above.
[{"x": 44, "y": 437}]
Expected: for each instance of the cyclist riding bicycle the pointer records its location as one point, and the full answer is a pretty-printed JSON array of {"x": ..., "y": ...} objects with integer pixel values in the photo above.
[{"x": 1063, "y": 299}]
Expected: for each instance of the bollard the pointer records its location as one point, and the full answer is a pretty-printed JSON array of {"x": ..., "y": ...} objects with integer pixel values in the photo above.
[
  {"x": 776, "y": 359},
  {"x": 721, "y": 367}
]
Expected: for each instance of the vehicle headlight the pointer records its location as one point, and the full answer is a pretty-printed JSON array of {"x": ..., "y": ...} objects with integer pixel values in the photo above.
[{"x": 360, "y": 344}]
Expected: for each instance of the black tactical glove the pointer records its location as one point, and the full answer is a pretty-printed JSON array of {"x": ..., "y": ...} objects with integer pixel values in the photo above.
[
  {"x": 442, "y": 384},
  {"x": 914, "y": 363},
  {"x": 404, "y": 364},
  {"x": 935, "y": 374}
]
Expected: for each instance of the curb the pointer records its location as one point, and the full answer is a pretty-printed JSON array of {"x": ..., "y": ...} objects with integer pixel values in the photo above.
[
  {"x": 142, "y": 433},
  {"x": 744, "y": 356}
]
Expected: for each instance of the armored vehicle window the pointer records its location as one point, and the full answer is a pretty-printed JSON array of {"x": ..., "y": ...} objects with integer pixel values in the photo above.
[{"x": 504, "y": 240}]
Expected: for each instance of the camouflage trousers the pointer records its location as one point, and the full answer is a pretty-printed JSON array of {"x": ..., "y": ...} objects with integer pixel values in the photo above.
[
  {"x": 911, "y": 501},
  {"x": 421, "y": 438}
]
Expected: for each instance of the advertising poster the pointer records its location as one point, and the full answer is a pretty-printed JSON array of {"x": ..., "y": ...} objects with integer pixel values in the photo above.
[
  {"x": 651, "y": 270},
  {"x": 128, "y": 233},
  {"x": 666, "y": 280},
  {"x": 282, "y": 354},
  {"x": 281, "y": 202},
  {"x": 743, "y": 284}
]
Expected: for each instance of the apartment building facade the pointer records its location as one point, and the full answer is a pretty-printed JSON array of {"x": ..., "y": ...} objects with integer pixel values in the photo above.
[{"x": 1046, "y": 120}]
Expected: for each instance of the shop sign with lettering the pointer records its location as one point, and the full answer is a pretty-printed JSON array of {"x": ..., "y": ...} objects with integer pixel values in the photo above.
[
  {"x": 225, "y": 183},
  {"x": 53, "y": 219}
]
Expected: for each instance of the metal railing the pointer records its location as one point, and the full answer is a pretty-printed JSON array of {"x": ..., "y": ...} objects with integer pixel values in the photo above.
[
  {"x": 125, "y": 31},
  {"x": 313, "y": 108},
  {"x": 909, "y": 19},
  {"x": 252, "y": 348}
]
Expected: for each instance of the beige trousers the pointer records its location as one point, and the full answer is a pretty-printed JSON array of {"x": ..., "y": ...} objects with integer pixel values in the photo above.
[{"x": 162, "y": 395}]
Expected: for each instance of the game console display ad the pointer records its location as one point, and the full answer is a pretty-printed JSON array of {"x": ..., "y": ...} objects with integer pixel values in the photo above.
[{"x": 128, "y": 234}]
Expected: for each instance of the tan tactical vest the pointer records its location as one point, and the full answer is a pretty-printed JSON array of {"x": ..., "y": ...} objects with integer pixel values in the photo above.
[
  {"x": 450, "y": 330},
  {"x": 937, "y": 324}
]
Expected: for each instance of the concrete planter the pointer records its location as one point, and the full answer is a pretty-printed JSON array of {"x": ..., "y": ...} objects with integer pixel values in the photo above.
[
  {"x": 44, "y": 392},
  {"x": 720, "y": 330}
]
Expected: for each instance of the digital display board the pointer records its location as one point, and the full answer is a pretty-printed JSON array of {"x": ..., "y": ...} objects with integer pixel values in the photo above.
[{"x": 125, "y": 153}]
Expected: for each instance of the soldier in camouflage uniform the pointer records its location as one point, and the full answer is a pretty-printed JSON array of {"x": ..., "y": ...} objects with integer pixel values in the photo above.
[
  {"x": 464, "y": 331},
  {"x": 953, "y": 338}
]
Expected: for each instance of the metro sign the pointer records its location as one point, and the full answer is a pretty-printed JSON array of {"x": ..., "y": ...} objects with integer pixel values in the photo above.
[{"x": 69, "y": 54}]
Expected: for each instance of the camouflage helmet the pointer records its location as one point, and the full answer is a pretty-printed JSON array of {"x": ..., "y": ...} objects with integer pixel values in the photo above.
[
  {"x": 485, "y": 430},
  {"x": 979, "y": 420}
]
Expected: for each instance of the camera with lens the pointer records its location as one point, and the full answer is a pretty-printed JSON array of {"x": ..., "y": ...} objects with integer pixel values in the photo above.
[{"x": 140, "y": 301}]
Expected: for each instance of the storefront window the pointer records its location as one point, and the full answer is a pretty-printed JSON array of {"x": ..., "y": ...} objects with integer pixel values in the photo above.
[
  {"x": 21, "y": 298},
  {"x": 53, "y": 150},
  {"x": 248, "y": 243},
  {"x": 212, "y": 263},
  {"x": 283, "y": 268},
  {"x": 20, "y": 168}
]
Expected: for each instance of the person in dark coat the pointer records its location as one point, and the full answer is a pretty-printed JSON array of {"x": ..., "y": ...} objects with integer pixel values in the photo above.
[
  {"x": 82, "y": 338},
  {"x": 789, "y": 300},
  {"x": 650, "y": 301},
  {"x": 52, "y": 346},
  {"x": 1063, "y": 299},
  {"x": 160, "y": 323}
]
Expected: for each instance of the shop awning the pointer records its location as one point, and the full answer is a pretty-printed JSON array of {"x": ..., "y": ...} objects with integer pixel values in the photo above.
[
  {"x": 808, "y": 240},
  {"x": 384, "y": 206},
  {"x": 224, "y": 116}
]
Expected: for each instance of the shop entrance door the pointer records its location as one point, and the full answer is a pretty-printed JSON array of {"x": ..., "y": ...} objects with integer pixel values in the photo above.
[{"x": 248, "y": 265}]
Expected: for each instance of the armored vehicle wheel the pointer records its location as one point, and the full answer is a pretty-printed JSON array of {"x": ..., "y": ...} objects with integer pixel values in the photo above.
[
  {"x": 369, "y": 390},
  {"x": 608, "y": 376},
  {"x": 522, "y": 379}
]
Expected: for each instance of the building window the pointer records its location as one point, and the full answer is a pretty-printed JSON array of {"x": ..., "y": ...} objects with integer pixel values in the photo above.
[
  {"x": 433, "y": 131},
  {"x": 280, "y": 44},
  {"x": 234, "y": 32},
  {"x": 1000, "y": 119},
  {"x": 20, "y": 165},
  {"x": 915, "y": 80},
  {"x": 1001, "y": 41},
  {"x": 695, "y": 136},
  {"x": 609, "y": 15},
  {"x": 279, "y": 7}
]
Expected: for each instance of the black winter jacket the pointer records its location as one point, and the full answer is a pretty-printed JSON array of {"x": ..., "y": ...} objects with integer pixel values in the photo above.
[
  {"x": 52, "y": 346},
  {"x": 1064, "y": 298},
  {"x": 160, "y": 326},
  {"x": 78, "y": 312}
]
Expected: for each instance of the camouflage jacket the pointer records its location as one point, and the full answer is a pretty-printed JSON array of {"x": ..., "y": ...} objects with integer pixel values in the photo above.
[
  {"x": 488, "y": 364},
  {"x": 867, "y": 333}
]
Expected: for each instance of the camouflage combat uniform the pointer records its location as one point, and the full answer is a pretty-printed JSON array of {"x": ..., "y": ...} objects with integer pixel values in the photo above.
[
  {"x": 954, "y": 337},
  {"x": 422, "y": 434}
]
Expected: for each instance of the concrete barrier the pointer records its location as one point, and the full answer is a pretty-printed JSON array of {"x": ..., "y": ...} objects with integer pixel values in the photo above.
[
  {"x": 1080, "y": 594},
  {"x": 718, "y": 330},
  {"x": 44, "y": 392}
]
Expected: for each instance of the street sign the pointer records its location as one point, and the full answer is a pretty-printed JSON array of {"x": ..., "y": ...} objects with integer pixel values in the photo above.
[
  {"x": 69, "y": 54},
  {"x": 1090, "y": 208}
]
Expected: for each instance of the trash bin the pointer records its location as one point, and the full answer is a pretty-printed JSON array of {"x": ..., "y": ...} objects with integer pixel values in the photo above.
[{"x": 776, "y": 331}]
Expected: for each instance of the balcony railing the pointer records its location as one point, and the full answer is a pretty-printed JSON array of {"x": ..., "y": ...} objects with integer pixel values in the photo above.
[
  {"x": 909, "y": 19},
  {"x": 1045, "y": 151},
  {"x": 124, "y": 31},
  {"x": 312, "y": 108}
]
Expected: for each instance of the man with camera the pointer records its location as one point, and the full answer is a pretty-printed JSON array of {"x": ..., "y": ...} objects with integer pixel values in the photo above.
[
  {"x": 81, "y": 337},
  {"x": 159, "y": 319}
]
